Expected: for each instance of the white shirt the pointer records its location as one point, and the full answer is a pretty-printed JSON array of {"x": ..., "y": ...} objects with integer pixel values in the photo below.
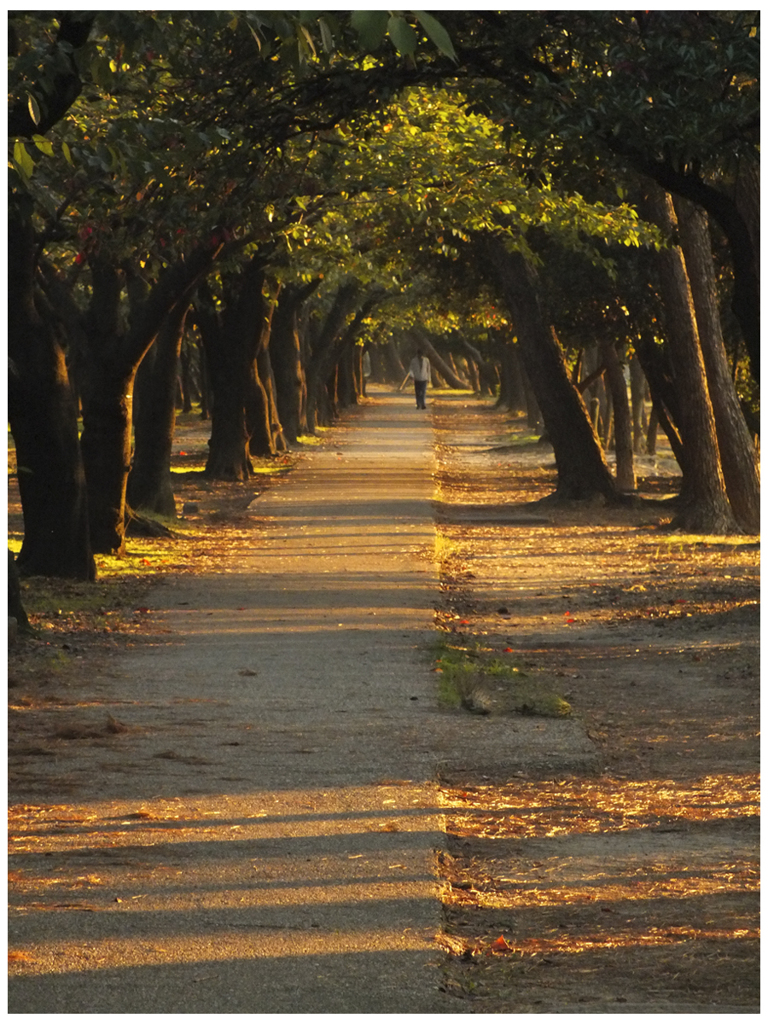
[{"x": 419, "y": 368}]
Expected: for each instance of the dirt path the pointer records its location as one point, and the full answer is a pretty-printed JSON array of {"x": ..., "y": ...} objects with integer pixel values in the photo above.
[
  {"x": 260, "y": 835},
  {"x": 634, "y": 890},
  {"x": 242, "y": 814}
]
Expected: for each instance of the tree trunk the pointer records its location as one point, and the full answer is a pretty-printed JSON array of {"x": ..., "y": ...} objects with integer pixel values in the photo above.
[
  {"x": 622, "y": 419},
  {"x": 43, "y": 420},
  {"x": 269, "y": 439},
  {"x": 737, "y": 452},
  {"x": 420, "y": 340},
  {"x": 231, "y": 344},
  {"x": 107, "y": 401},
  {"x": 653, "y": 427},
  {"x": 16, "y": 608},
  {"x": 581, "y": 466},
  {"x": 347, "y": 384},
  {"x": 205, "y": 384},
  {"x": 287, "y": 364},
  {"x": 323, "y": 345},
  {"x": 513, "y": 378},
  {"x": 637, "y": 382},
  {"x": 706, "y": 508},
  {"x": 606, "y": 412},
  {"x": 487, "y": 372},
  {"x": 111, "y": 360},
  {"x": 533, "y": 418},
  {"x": 394, "y": 364},
  {"x": 736, "y": 218},
  {"x": 654, "y": 360},
  {"x": 189, "y": 382},
  {"x": 267, "y": 375},
  {"x": 228, "y": 457},
  {"x": 472, "y": 375},
  {"x": 328, "y": 346},
  {"x": 258, "y": 425},
  {"x": 150, "y": 483},
  {"x": 378, "y": 365}
]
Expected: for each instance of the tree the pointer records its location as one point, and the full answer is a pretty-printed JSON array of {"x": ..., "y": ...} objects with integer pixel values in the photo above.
[
  {"x": 706, "y": 508},
  {"x": 150, "y": 488},
  {"x": 42, "y": 411},
  {"x": 673, "y": 95},
  {"x": 738, "y": 457},
  {"x": 272, "y": 124},
  {"x": 113, "y": 356},
  {"x": 581, "y": 467},
  {"x": 43, "y": 420},
  {"x": 231, "y": 334},
  {"x": 287, "y": 363}
]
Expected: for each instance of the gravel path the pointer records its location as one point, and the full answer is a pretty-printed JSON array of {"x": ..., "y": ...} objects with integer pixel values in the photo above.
[{"x": 262, "y": 837}]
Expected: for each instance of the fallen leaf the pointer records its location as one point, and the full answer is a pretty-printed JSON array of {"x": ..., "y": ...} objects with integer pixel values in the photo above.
[
  {"x": 20, "y": 956},
  {"x": 500, "y": 943}
]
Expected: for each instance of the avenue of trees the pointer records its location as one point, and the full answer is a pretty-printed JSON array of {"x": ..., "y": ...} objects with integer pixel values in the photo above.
[{"x": 241, "y": 203}]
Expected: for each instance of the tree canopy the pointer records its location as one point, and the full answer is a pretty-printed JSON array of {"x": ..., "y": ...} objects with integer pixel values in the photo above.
[{"x": 354, "y": 162}]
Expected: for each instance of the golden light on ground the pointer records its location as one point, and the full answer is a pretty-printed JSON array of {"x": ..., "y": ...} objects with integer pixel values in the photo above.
[
  {"x": 666, "y": 877},
  {"x": 591, "y": 943},
  {"x": 604, "y": 804},
  {"x": 192, "y": 948},
  {"x": 686, "y": 885},
  {"x": 217, "y": 879}
]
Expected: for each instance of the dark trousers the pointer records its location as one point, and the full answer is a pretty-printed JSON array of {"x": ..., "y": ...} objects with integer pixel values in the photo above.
[{"x": 421, "y": 393}]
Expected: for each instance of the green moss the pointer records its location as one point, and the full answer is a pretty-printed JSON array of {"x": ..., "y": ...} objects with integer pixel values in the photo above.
[{"x": 471, "y": 676}]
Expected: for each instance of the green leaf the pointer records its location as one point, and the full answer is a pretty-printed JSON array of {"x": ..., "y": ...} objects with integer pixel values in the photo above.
[
  {"x": 371, "y": 27},
  {"x": 402, "y": 35},
  {"x": 101, "y": 72},
  {"x": 308, "y": 45},
  {"x": 326, "y": 35},
  {"x": 436, "y": 33},
  {"x": 34, "y": 109},
  {"x": 67, "y": 154},
  {"x": 22, "y": 159},
  {"x": 43, "y": 144}
]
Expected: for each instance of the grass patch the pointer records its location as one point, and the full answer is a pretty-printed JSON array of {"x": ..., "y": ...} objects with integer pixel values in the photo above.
[
  {"x": 446, "y": 549},
  {"x": 682, "y": 543},
  {"x": 450, "y": 392},
  {"x": 145, "y": 555},
  {"x": 475, "y": 678},
  {"x": 199, "y": 467}
]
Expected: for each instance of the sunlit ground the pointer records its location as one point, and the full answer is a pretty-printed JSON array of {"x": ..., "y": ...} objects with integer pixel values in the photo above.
[
  {"x": 638, "y": 886},
  {"x": 636, "y": 890},
  {"x": 219, "y": 878}
]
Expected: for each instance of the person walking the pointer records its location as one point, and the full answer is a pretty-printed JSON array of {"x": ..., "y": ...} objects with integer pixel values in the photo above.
[{"x": 419, "y": 370}]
